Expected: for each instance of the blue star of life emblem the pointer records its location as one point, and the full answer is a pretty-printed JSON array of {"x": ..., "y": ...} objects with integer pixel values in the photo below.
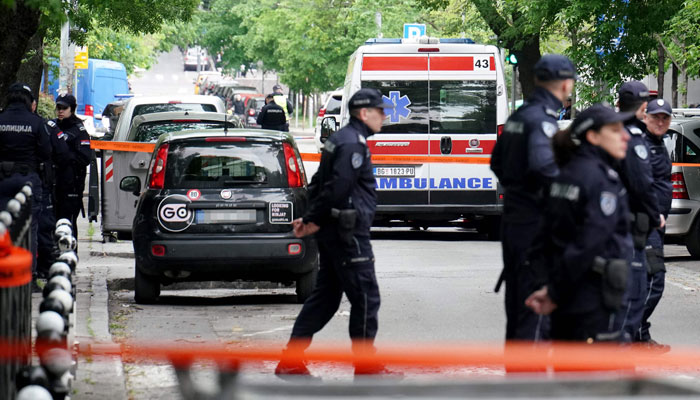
[{"x": 400, "y": 104}]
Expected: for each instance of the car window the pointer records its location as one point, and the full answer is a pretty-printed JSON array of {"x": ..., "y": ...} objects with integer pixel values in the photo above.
[
  {"x": 411, "y": 114},
  {"x": 463, "y": 107},
  {"x": 224, "y": 165},
  {"x": 334, "y": 103},
  {"x": 150, "y": 131},
  {"x": 142, "y": 109},
  {"x": 689, "y": 152}
]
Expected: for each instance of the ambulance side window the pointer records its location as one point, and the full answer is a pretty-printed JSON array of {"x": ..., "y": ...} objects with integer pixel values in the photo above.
[
  {"x": 463, "y": 107},
  {"x": 411, "y": 98}
]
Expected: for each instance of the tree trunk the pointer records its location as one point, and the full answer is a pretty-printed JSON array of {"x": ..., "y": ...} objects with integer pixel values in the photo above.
[
  {"x": 528, "y": 56},
  {"x": 17, "y": 26},
  {"x": 33, "y": 65},
  {"x": 661, "y": 74},
  {"x": 674, "y": 86}
]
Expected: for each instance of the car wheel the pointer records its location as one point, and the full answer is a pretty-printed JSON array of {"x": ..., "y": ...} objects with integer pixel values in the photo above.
[
  {"x": 306, "y": 284},
  {"x": 146, "y": 288},
  {"x": 692, "y": 241}
]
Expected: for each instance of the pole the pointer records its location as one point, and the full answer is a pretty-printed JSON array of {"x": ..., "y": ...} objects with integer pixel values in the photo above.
[
  {"x": 515, "y": 79},
  {"x": 66, "y": 63},
  {"x": 378, "y": 21},
  {"x": 199, "y": 60}
]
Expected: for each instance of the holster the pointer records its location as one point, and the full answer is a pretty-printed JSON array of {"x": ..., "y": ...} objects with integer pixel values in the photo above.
[
  {"x": 347, "y": 219},
  {"x": 640, "y": 230},
  {"x": 655, "y": 260},
  {"x": 615, "y": 273},
  {"x": 6, "y": 168}
]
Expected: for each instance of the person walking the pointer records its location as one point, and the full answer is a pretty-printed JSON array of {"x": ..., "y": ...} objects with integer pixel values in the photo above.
[
  {"x": 524, "y": 164},
  {"x": 271, "y": 116},
  {"x": 340, "y": 213}
]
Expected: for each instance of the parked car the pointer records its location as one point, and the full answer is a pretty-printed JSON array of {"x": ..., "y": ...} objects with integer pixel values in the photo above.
[
  {"x": 683, "y": 224},
  {"x": 218, "y": 206},
  {"x": 147, "y": 128},
  {"x": 253, "y": 105},
  {"x": 330, "y": 109},
  {"x": 191, "y": 59},
  {"x": 103, "y": 82}
]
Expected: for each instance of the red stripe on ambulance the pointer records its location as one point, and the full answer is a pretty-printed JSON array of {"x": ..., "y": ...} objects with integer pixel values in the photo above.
[
  {"x": 451, "y": 63},
  {"x": 395, "y": 63}
]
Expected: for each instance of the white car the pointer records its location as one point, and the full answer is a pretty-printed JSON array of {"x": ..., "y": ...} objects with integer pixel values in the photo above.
[
  {"x": 330, "y": 109},
  {"x": 191, "y": 59}
]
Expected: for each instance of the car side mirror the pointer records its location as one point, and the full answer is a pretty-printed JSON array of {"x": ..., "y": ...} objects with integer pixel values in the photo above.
[
  {"x": 328, "y": 126},
  {"x": 131, "y": 184},
  {"x": 98, "y": 116}
]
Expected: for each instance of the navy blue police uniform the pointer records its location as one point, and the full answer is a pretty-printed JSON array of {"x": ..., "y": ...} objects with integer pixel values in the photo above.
[
  {"x": 635, "y": 171},
  {"x": 69, "y": 194},
  {"x": 272, "y": 116},
  {"x": 663, "y": 189},
  {"x": 584, "y": 233},
  {"x": 524, "y": 164},
  {"x": 343, "y": 185},
  {"x": 24, "y": 144},
  {"x": 60, "y": 158}
]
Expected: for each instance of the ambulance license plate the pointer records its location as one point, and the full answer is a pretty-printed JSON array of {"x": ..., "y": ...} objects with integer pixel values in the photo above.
[
  {"x": 225, "y": 216},
  {"x": 395, "y": 171}
]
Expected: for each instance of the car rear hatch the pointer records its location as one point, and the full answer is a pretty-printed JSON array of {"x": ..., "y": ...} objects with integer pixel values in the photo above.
[{"x": 223, "y": 185}]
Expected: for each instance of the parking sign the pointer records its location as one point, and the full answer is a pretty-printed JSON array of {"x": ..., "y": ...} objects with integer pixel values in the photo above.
[{"x": 413, "y": 30}]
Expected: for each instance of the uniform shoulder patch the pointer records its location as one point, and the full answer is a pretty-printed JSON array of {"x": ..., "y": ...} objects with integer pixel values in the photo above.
[
  {"x": 549, "y": 128},
  {"x": 514, "y": 127},
  {"x": 51, "y": 123},
  {"x": 641, "y": 151},
  {"x": 356, "y": 160},
  {"x": 85, "y": 143},
  {"x": 329, "y": 146},
  {"x": 608, "y": 203}
]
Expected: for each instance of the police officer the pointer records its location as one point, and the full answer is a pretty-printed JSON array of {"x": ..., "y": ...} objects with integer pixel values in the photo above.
[
  {"x": 69, "y": 194},
  {"x": 657, "y": 120},
  {"x": 60, "y": 157},
  {"x": 341, "y": 210},
  {"x": 283, "y": 102},
  {"x": 271, "y": 116},
  {"x": 24, "y": 144},
  {"x": 584, "y": 238},
  {"x": 636, "y": 174},
  {"x": 524, "y": 164}
]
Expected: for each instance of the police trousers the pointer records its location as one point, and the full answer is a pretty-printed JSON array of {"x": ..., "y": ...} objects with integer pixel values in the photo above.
[
  {"x": 597, "y": 325},
  {"x": 12, "y": 185},
  {"x": 342, "y": 270},
  {"x": 655, "y": 288},
  {"x": 629, "y": 318},
  {"x": 520, "y": 281},
  {"x": 47, "y": 225}
]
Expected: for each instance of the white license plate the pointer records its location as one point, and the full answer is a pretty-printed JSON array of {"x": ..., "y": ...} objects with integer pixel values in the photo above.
[
  {"x": 226, "y": 216},
  {"x": 394, "y": 171}
]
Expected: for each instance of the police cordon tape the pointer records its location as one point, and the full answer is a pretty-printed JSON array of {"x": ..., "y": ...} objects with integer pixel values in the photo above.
[{"x": 316, "y": 157}]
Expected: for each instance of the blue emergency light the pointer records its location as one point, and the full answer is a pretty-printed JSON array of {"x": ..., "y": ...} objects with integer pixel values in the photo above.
[{"x": 399, "y": 41}]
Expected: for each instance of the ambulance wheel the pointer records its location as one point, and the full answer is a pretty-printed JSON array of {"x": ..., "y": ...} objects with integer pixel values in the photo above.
[
  {"x": 692, "y": 241},
  {"x": 146, "y": 288},
  {"x": 305, "y": 285}
]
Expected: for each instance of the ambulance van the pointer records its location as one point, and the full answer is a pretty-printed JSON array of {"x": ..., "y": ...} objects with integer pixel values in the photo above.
[{"x": 431, "y": 158}]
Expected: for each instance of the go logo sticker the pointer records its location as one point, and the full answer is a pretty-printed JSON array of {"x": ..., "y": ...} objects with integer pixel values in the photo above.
[{"x": 173, "y": 214}]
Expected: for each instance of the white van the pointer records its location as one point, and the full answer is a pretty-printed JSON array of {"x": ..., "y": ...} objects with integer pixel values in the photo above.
[{"x": 432, "y": 154}]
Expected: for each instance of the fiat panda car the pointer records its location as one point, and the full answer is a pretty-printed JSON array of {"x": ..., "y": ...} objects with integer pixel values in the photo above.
[{"x": 218, "y": 206}]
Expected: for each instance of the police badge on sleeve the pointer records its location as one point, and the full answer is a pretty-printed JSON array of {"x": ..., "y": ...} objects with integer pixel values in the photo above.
[
  {"x": 608, "y": 203},
  {"x": 641, "y": 151},
  {"x": 549, "y": 128},
  {"x": 356, "y": 160}
]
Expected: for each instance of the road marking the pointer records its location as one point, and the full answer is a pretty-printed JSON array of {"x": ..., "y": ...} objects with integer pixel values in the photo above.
[{"x": 282, "y": 328}]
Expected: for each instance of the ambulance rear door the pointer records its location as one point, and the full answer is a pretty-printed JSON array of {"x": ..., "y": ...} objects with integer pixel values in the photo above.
[
  {"x": 467, "y": 104},
  {"x": 402, "y": 186}
]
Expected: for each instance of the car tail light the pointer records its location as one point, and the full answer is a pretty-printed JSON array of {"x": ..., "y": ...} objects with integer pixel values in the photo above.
[
  {"x": 679, "y": 189},
  {"x": 251, "y": 112},
  {"x": 322, "y": 112},
  {"x": 158, "y": 169},
  {"x": 174, "y": 102},
  {"x": 293, "y": 169},
  {"x": 158, "y": 250},
  {"x": 294, "y": 249},
  {"x": 500, "y": 130},
  {"x": 89, "y": 110}
]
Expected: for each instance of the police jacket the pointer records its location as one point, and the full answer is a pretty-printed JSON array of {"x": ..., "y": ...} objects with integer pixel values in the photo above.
[
  {"x": 636, "y": 174},
  {"x": 523, "y": 160},
  {"x": 24, "y": 139},
  {"x": 272, "y": 117},
  {"x": 586, "y": 216},
  {"x": 661, "y": 172},
  {"x": 344, "y": 180},
  {"x": 78, "y": 141},
  {"x": 60, "y": 154}
]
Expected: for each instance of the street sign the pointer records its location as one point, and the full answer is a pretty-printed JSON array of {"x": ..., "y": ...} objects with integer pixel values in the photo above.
[
  {"x": 411, "y": 31},
  {"x": 81, "y": 57}
]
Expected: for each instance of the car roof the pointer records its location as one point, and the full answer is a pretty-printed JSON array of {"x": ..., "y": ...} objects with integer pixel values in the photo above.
[
  {"x": 171, "y": 115},
  {"x": 247, "y": 133}
]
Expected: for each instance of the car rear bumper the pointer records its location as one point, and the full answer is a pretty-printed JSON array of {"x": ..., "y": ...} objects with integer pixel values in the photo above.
[{"x": 681, "y": 217}]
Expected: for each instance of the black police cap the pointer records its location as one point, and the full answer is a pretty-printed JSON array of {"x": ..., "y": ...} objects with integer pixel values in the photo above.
[
  {"x": 66, "y": 100},
  {"x": 552, "y": 67},
  {"x": 368, "y": 98},
  {"x": 659, "y": 106},
  {"x": 595, "y": 117},
  {"x": 633, "y": 92},
  {"x": 277, "y": 88},
  {"x": 21, "y": 87}
]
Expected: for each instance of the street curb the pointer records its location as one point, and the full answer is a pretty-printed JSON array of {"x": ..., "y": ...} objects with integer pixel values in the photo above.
[{"x": 111, "y": 254}]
